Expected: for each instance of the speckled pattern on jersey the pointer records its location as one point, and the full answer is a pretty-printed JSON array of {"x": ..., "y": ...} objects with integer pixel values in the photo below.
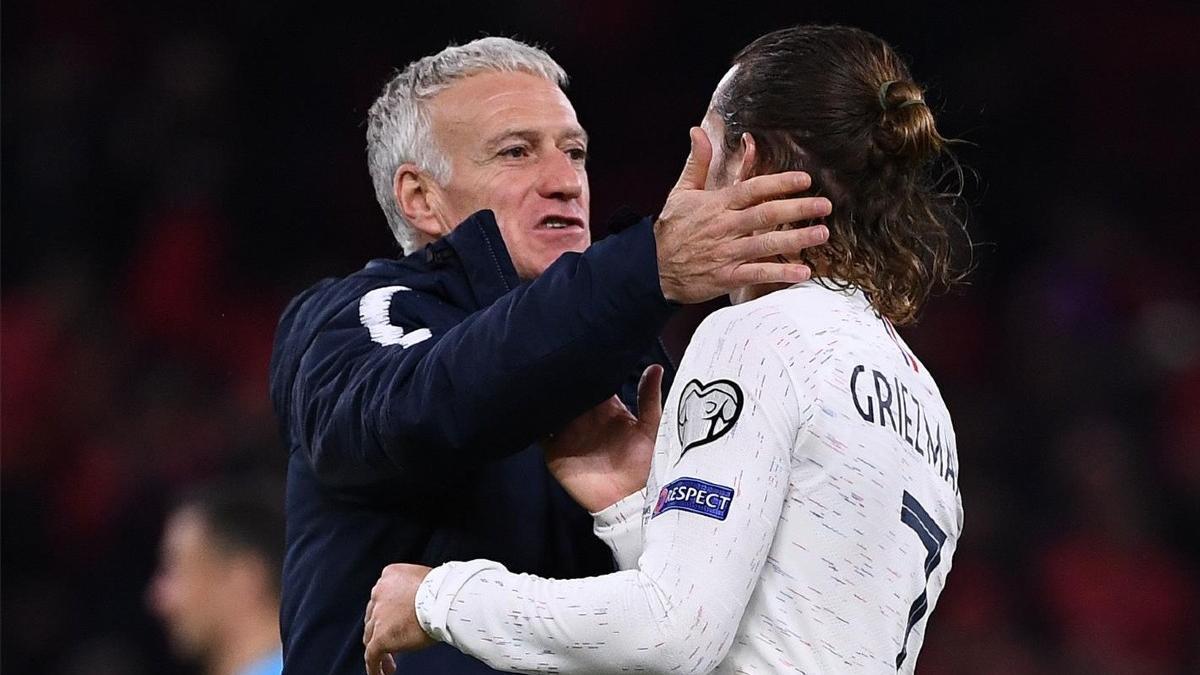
[{"x": 832, "y": 549}]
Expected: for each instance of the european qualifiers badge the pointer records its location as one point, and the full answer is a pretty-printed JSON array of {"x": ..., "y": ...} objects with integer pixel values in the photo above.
[
  {"x": 696, "y": 496},
  {"x": 707, "y": 412}
]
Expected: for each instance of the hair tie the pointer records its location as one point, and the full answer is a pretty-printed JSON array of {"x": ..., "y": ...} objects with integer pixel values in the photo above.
[{"x": 883, "y": 91}]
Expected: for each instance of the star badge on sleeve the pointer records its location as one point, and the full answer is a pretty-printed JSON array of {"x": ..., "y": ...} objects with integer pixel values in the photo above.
[{"x": 707, "y": 412}]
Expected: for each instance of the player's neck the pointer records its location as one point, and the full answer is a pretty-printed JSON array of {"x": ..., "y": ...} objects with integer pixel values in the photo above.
[{"x": 748, "y": 293}]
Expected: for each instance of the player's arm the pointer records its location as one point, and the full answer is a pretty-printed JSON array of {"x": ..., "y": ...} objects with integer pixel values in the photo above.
[
  {"x": 370, "y": 410},
  {"x": 549, "y": 349},
  {"x": 710, "y": 529},
  {"x": 621, "y": 528}
]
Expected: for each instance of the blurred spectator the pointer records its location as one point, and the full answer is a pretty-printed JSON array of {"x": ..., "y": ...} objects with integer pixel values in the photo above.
[
  {"x": 217, "y": 584},
  {"x": 1120, "y": 600}
]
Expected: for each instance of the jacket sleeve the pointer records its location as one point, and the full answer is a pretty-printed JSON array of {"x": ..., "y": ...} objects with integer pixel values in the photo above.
[
  {"x": 723, "y": 461},
  {"x": 413, "y": 403}
]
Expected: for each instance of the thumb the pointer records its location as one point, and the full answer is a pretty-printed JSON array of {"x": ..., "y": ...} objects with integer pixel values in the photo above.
[
  {"x": 695, "y": 170},
  {"x": 650, "y": 398}
]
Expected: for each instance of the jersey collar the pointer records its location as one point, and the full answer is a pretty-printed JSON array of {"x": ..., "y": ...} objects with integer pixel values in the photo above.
[{"x": 477, "y": 248}]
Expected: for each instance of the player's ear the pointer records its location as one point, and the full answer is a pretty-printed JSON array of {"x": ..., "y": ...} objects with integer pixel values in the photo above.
[
  {"x": 419, "y": 200},
  {"x": 749, "y": 153}
]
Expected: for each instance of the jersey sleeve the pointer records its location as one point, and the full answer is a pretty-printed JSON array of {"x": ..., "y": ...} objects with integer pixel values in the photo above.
[
  {"x": 375, "y": 399},
  {"x": 721, "y": 468},
  {"x": 620, "y": 527}
]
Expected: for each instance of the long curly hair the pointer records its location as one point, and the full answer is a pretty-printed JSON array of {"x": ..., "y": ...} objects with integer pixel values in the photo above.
[{"x": 839, "y": 103}]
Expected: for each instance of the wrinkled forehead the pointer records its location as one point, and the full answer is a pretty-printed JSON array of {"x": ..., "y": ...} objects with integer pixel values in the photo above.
[{"x": 481, "y": 105}]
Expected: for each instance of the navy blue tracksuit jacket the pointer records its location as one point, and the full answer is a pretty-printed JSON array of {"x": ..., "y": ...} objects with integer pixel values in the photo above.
[{"x": 411, "y": 396}]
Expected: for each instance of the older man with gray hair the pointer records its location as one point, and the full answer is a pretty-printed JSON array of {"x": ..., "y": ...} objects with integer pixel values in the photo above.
[{"x": 413, "y": 394}]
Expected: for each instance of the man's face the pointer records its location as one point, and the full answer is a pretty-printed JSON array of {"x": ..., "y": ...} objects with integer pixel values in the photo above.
[
  {"x": 186, "y": 589},
  {"x": 515, "y": 147}
]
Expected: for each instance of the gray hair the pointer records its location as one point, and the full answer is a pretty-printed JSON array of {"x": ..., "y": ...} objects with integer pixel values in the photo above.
[{"x": 398, "y": 126}]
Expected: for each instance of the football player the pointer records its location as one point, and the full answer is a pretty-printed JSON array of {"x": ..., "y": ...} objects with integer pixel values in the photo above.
[{"x": 802, "y": 507}]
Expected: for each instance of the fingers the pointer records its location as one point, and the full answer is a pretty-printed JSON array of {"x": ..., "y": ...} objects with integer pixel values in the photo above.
[
  {"x": 369, "y": 618},
  {"x": 373, "y": 657},
  {"x": 378, "y": 657},
  {"x": 771, "y": 244},
  {"x": 770, "y": 215},
  {"x": 695, "y": 170},
  {"x": 650, "y": 398},
  {"x": 769, "y": 273},
  {"x": 770, "y": 186}
]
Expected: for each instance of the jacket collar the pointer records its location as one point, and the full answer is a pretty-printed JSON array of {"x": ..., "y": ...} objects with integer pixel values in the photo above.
[{"x": 477, "y": 248}]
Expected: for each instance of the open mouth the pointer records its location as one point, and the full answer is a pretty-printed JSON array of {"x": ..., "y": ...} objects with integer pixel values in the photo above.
[{"x": 559, "y": 223}]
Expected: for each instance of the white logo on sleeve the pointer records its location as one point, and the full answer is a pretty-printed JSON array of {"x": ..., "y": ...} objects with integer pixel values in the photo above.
[
  {"x": 707, "y": 411},
  {"x": 374, "y": 311}
]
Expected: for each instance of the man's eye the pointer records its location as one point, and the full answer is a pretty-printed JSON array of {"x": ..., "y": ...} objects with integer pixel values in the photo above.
[
  {"x": 578, "y": 154},
  {"x": 515, "y": 152}
]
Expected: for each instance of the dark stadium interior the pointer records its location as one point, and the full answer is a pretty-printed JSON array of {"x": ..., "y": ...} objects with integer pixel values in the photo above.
[{"x": 174, "y": 172}]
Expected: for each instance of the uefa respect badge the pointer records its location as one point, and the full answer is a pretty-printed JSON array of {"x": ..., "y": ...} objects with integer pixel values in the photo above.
[{"x": 695, "y": 495}]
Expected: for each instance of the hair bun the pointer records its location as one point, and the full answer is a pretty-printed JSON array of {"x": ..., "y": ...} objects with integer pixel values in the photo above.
[{"x": 906, "y": 129}]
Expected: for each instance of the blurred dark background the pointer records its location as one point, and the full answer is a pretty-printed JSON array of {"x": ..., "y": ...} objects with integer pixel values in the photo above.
[{"x": 174, "y": 172}]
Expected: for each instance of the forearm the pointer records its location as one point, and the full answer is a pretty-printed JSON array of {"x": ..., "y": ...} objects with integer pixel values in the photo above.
[
  {"x": 490, "y": 385},
  {"x": 540, "y": 355},
  {"x": 521, "y": 623},
  {"x": 714, "y": 515}
]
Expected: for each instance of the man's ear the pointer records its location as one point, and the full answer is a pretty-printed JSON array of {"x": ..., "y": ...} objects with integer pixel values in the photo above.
[
  {"x": 749, "y": 156},
  {"x": 418, "y": 199}
]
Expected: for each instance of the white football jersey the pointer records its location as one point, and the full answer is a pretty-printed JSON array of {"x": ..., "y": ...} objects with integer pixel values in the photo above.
[{"x": 801, "y": 514}]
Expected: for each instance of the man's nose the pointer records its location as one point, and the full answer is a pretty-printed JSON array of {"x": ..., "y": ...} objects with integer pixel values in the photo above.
[{"x": 562, "y": 177}]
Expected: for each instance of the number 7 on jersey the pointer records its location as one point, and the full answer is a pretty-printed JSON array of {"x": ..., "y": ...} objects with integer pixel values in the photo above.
[{"x": 915, "y": 516}]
